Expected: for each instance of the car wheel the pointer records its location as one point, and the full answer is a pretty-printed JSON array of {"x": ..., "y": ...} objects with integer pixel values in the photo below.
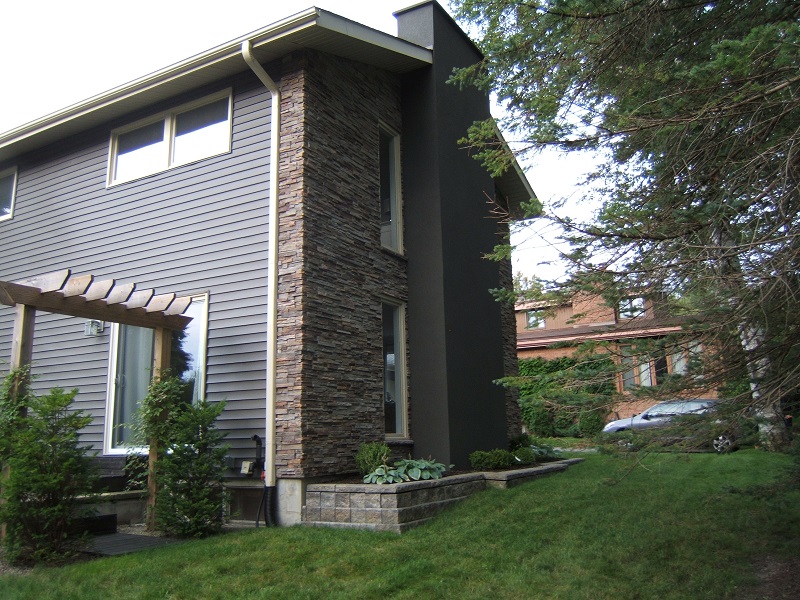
[{"x": 723, "y": 443}]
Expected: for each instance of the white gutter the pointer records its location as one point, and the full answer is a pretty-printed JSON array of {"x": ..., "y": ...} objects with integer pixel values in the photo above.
[{"x": 272, "y": 265}]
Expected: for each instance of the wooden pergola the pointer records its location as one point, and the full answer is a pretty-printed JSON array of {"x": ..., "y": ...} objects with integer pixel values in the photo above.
[{"x": 104, "y": 300}]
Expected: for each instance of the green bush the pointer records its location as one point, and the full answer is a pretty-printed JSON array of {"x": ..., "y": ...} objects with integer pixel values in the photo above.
[
  {"x": 520, "y": 441},
  {"x": 524, "y": 456},
  {"x": 537, "y": 418},
  {"x": 190, "y": 501},
  {"x": 372, "y": 455},
  {"x": 48, "y": 472},
  {"x": 590, "y": 423},
  {"x": 190, "y": 474},
  {"x": 556, "y": 393},
  {"x": 488, "y": 460}
]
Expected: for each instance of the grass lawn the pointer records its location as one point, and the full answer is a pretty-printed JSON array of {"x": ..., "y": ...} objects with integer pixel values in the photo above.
[{"x": 611, "y": 527}]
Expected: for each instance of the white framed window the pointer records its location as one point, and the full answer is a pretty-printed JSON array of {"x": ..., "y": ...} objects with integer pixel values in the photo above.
[
  {"x": 390, "y": 196},
  {"x": 8, "y": 190},
  {"x": 395, "y": 389},
  {"x": 131, "y": 369},
  {"x": 188, "y": 133},
  {"x": 630, "y": 308}
]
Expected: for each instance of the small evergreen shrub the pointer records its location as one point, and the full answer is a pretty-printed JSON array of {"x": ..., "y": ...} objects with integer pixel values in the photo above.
[
  {"x": 520, "y": 441},
  {"x": 190, "y": 474},
  {"x": 372, "y": 455},
  {"x": 191, "y": 499},
  {"x": 48, "y": 472},
  {"x": 488, "y": 460},
  {"x": 524, "y": 456}
]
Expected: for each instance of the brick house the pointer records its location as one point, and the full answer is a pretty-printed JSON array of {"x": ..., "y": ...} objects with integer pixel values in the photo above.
[
  {"x": 547, "y": 331},
  {"x": 326, "y": 318}
]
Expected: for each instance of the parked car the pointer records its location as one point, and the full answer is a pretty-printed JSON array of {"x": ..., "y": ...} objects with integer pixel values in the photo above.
[{"x": 663, "y": 414}]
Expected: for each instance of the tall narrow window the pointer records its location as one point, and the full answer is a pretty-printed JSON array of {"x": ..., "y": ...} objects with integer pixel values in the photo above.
[
  {"x": 394, "y": 371},
  {"x": 391, "y": 218},
  {"x": 131, "y": 370},
  {"x": 186, "y": 134},
  {"x": 8, "y": 184},
  {"x": 134, "y": 364}
]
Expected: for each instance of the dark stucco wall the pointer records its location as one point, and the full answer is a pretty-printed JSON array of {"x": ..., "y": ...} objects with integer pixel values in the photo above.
[{"x": 455, "y": 326}]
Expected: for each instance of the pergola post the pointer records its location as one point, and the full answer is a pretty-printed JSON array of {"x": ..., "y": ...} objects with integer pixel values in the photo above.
[
  {"x": 21, "y": 355},
  {"x": 161, "y": 358},
  {"x": 22, "y": 349}
]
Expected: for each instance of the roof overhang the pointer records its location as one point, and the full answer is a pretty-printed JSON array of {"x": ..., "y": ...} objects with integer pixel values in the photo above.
[
  {"x": 513, "y": 184},
  {"x": 313, "y": 28}
]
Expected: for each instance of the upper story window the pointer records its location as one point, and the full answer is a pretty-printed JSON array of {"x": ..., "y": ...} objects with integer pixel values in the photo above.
[
  {"x": 188, "y": 133},
  {"x": 391, "y": 217},
  {"x": 534, "y": 319},
  {"x": 630, "y": 308},
  {"x": 8, "y": 185}
]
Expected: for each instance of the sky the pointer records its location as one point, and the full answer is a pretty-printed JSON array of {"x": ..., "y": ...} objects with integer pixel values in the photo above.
[{"x": 54, "y": 53}]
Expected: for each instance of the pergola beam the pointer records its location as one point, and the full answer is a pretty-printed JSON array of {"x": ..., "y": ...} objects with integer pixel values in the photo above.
[{"x": 86, "y": 298}]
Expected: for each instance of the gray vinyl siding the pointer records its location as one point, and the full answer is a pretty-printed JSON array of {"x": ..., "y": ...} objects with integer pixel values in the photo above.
[{"x": 198, "y": 228}]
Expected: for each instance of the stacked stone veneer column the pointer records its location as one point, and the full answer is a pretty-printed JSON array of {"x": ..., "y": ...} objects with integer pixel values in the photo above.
[{"x": 334, "y": 274}]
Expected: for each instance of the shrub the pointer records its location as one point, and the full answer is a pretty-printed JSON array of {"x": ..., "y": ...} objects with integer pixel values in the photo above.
[
  {"x": 590, "y": 423},
  {"x": 487, "y": 460},
  {"x": 371, "y": 455},
  {"x": 190, "y": 474},
  {"x": 520, "y": 441},
  {"x": 524, "y": 456},
  {"x": 555, "y": 393},
  {"x": 190, "y": 500},
  {"x": 537, "y": 418},
  {"x": 48, "y": 473}
]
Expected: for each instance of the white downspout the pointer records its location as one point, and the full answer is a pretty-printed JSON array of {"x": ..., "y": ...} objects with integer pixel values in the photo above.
[{"x": 272, "y": 265}]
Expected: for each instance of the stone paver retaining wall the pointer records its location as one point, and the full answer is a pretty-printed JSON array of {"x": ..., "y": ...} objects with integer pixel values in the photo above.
[{"x": 400, "y": 506}]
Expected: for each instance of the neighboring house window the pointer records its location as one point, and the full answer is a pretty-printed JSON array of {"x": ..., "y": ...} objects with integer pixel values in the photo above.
[
  {"x": 645, "y": 370},
  {"x": 535, "y": 319},
  {"x": 682, "y": 360},
  {"x": 131, "y": 365},
  {"x": 8, "y": 185},
  {"x": 391, "y": 214},
  {"x": 394, "y": 370},
  {"x": 186, "y": 134},
  {"x": 630, "y": 308}
]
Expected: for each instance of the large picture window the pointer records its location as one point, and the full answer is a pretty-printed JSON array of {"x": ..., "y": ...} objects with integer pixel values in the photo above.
[
  {"x": 131, "y": 369},
  {"x": 186, "y": 134},
  {"x": 8, "y": 185},
  {"x": 394, "y": 370}
]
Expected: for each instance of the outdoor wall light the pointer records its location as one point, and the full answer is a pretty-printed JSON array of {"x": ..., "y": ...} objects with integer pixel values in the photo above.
[{"x": 93, "y": 328}]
